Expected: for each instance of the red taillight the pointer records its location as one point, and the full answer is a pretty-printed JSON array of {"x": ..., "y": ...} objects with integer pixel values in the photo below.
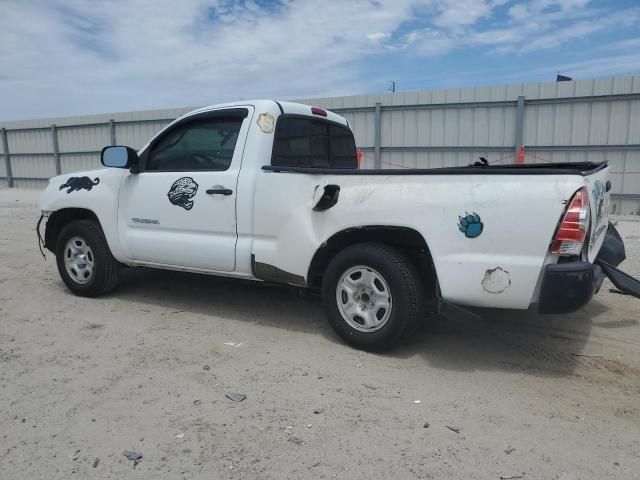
[
  {"x": 572, "y": 231},
  {"x": 359, "y": 157},
  {"x": 318, "y": 111}
]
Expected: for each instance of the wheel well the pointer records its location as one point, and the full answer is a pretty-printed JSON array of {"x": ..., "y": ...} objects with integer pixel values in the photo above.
[
  {"x": 407, "y": 240},
  {"x": 59, "y": 219}
]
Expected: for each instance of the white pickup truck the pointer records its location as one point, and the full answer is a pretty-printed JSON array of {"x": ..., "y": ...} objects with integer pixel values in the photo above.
[{"x": 271, "y": 191}]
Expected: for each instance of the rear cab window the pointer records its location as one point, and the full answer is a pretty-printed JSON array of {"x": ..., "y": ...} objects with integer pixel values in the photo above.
[{"x": 308, "y": 142}]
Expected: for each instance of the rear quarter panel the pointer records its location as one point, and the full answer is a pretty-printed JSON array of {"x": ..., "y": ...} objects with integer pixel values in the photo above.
[
  {"x": 599, "y": 202},
  {"x": 498, "y": 268}
]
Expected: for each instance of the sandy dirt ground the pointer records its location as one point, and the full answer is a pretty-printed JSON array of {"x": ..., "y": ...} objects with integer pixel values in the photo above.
[{"x": 147, "y": 368}]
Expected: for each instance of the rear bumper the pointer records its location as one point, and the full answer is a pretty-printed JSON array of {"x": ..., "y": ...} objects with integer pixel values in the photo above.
[{"x": 567, "y": 287}]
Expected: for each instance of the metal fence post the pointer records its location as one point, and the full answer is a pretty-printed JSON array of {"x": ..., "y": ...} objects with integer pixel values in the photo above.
[
  {"x": 7, "y": 158},
  {"x": 56, "y": 149},
  {"x": 112, "y": 131},
  {"x": 519, "y": 123},
  {"x": 377, "y": 139}
]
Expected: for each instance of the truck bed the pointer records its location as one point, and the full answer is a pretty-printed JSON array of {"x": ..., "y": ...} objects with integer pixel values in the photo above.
[{"x": 519, "y": 206}]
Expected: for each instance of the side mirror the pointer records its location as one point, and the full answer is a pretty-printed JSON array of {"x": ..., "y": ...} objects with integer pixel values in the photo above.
[{"x": 119, "y": 157}]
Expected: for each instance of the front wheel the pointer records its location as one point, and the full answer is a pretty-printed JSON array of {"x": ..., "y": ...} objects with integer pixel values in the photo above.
[
  {"x": 84, "y": 260},
  {"x": 371, "y": 294}
]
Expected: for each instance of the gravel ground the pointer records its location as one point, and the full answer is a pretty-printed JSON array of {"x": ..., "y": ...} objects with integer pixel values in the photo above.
[{"x": 147, "y": 368}]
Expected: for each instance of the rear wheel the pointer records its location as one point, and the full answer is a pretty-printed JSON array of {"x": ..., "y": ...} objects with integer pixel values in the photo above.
[
  {"x": 84, "y": 260},
  {"x": 371, "y": 294}
]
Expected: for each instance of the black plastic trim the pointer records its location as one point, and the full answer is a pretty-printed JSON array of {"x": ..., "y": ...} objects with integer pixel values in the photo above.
[
  {"x": 271, "y": 273},
  {"x": 329, "y": 198},
  {"x": 612, "y": 251},
  {"x": 583, "y": 168},
  {"x": 219, "y": 191},
  {"x": 567, "y": 287},
  {"x": 623, "y": 281}
]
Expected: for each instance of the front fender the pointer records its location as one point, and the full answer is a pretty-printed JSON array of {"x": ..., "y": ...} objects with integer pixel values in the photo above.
[{"x": 96, "y": 191}]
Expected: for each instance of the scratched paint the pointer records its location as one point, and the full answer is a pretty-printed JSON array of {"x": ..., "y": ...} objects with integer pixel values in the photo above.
[
  {"x": 599, "y": 192},
  {"x": 266, "y": 122},
  {"x": 496, "y": 280}
]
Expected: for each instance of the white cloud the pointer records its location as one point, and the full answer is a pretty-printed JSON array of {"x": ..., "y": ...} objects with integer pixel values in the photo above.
[
  {"x": 61, "y": 57},
  {"x": 529, "y": 26},
  {"x": 596, "y": 67},
  {"x": 377, "y": 37},
  {"x": 427, "y": 41},
  {"x": 628, "y": 44},
  {"x": 519, "y": 12},
  {"x": 604, "y": 66},
  {"x": 547, "y": 33},
  {"x": 77, "y": 56},
  {"x": 456, "y": 13}
]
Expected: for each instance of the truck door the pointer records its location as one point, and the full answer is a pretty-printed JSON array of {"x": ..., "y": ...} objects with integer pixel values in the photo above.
[{"x": 180, "y": 210}]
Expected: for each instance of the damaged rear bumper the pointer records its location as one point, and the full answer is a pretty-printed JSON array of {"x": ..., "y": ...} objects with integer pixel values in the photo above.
[
  {"x": 623, "y": 281},
  {"x": 567, "y": 287}
]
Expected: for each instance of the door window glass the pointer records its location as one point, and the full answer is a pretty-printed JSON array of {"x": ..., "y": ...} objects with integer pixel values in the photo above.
[{"x": 206, "y": 144}]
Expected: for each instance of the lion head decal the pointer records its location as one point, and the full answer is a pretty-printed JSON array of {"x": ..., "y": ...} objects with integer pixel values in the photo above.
[{"x": 182, "y": 191}]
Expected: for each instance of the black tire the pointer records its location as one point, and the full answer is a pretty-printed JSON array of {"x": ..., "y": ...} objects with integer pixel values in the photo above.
[
  {"x": 106, "y": 269},
  {"x": 404, "y": 283}
]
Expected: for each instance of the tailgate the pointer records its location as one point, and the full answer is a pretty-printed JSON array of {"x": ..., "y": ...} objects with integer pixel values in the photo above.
[{"x": 598, "y": 186}]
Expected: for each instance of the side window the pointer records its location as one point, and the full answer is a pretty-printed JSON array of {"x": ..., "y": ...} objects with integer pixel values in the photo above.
[
  {"x": 206, "y": 144},
  {"x": 302, "y": 142}
]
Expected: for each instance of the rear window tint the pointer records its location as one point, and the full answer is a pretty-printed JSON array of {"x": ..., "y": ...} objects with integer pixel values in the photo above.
[
  {"x": 302, "y": 142},
  {"x": 343, "y": 147}
]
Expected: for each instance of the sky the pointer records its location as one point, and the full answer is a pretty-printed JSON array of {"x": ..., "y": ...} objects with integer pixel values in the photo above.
[{"x": 72, "y": 57}]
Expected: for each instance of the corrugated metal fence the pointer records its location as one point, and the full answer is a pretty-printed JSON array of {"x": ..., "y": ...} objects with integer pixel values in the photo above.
[
  {"x": 586, "y": 120},
  {"x": 40, "y": 149}
]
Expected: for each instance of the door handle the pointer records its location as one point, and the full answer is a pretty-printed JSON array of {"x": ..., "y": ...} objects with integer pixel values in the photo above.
[{"x": 219, "y": 191}]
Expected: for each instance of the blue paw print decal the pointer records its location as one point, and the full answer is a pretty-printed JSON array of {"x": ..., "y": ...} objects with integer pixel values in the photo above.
[
  {"x": 599, "y": 190},
  {"x": 470, "y": 225}
]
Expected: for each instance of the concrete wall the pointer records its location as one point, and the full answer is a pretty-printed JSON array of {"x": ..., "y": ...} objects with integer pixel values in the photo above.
[{"x": 585, "y": 120}]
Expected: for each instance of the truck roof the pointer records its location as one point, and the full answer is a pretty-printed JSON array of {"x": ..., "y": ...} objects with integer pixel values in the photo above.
[{"x": 260, "y": 105}]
